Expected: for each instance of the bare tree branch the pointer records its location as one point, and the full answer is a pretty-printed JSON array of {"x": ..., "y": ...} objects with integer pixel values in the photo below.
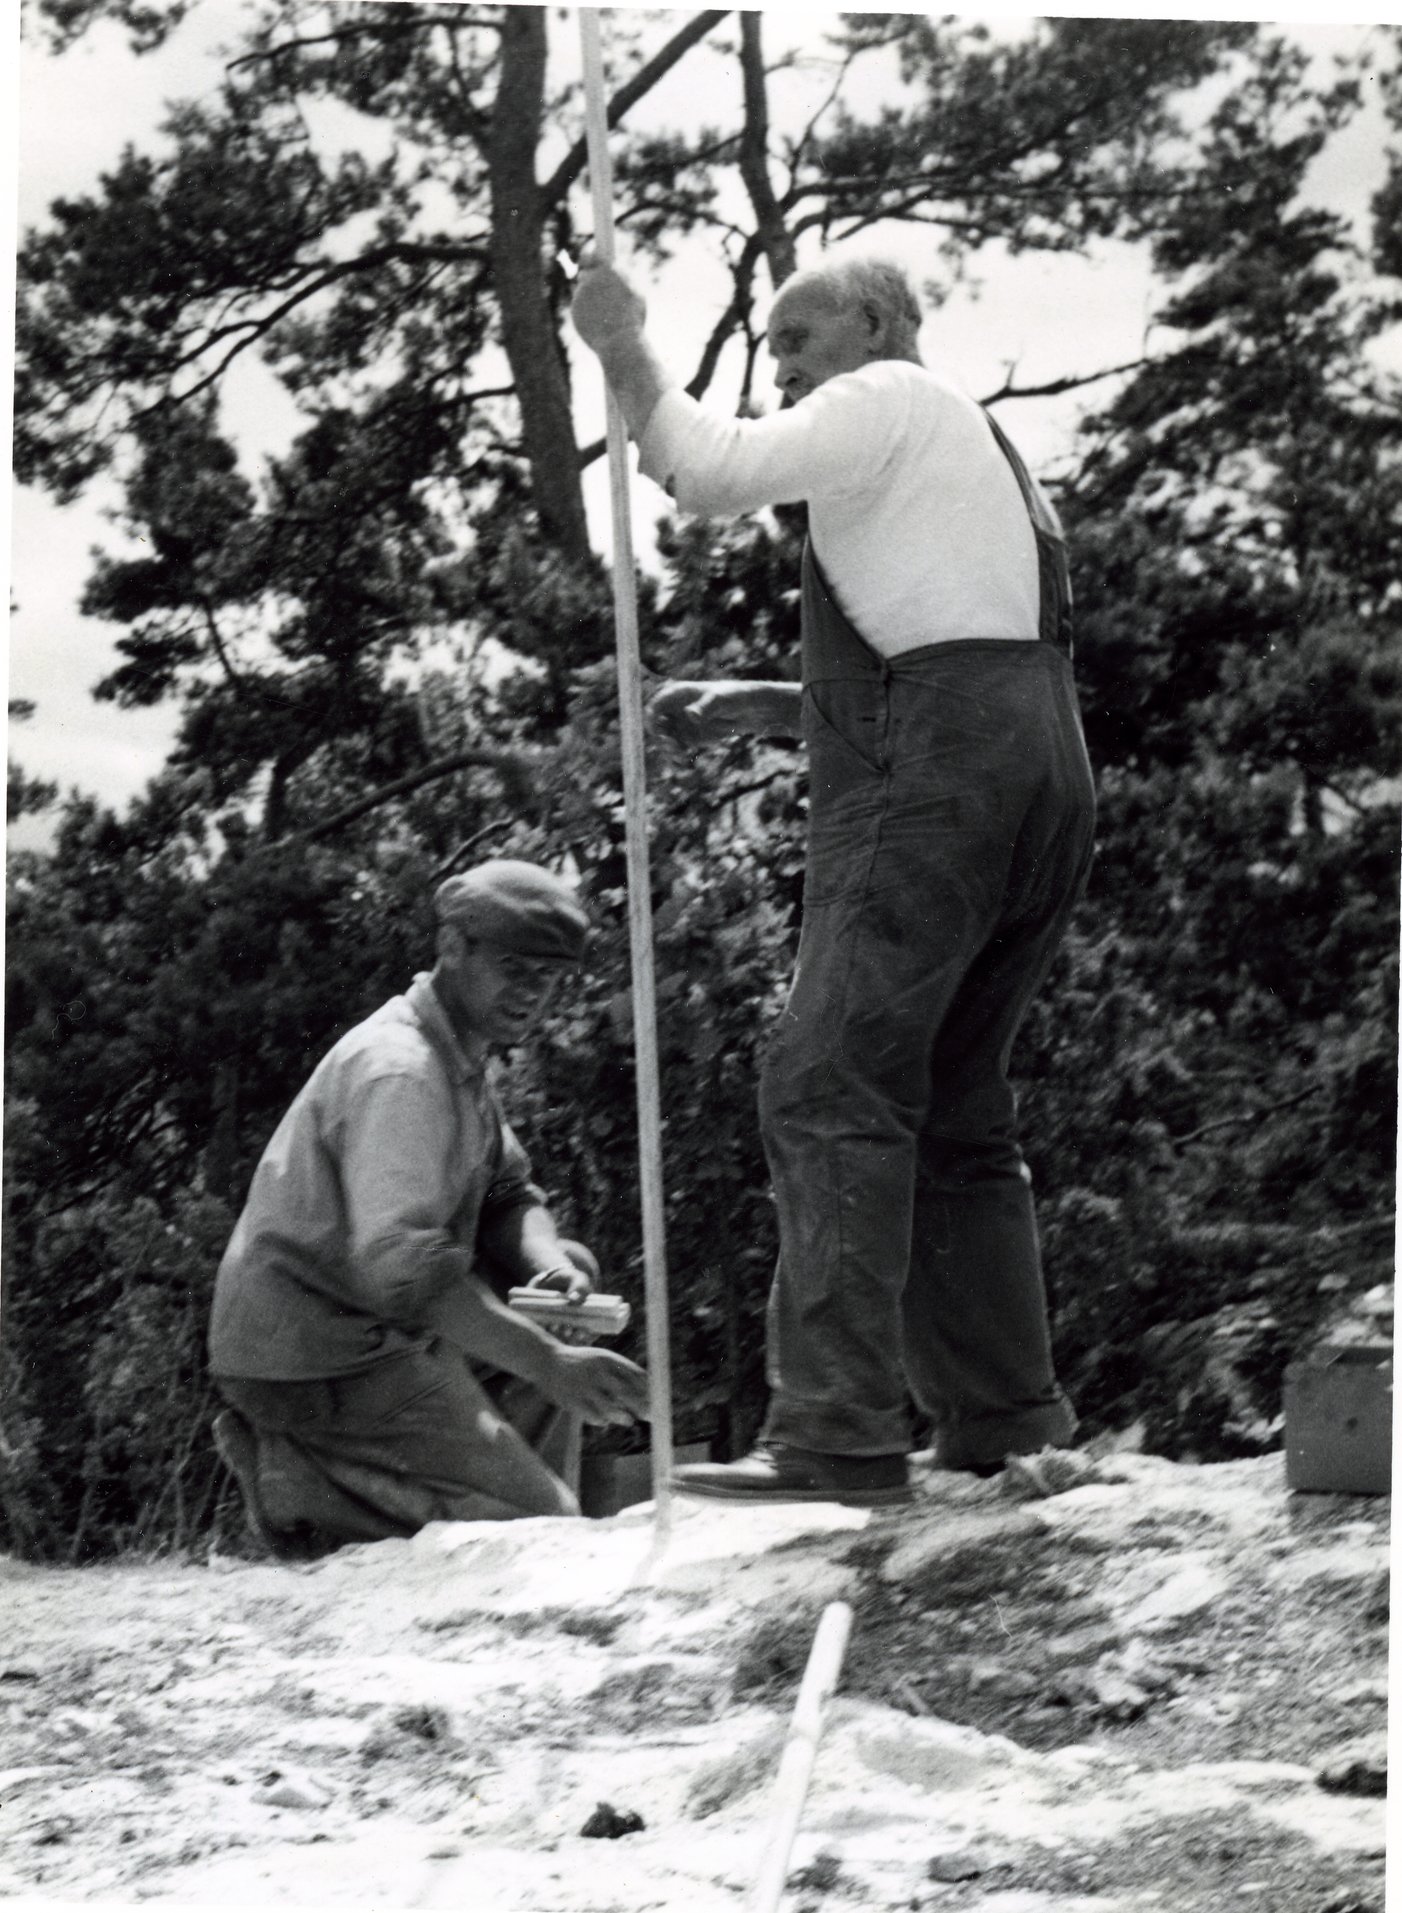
[
  {"x": 1009, "y": 390},
  {"x": 731, "y": 319},
  {"x": 454, "y": 858},
  {"x": 752, "y": 344},
  {"x": 646, "y": 77},
  {"x": 510, "y": 765}
]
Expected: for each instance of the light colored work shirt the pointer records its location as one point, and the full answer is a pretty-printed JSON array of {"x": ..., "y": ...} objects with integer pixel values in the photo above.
[
  {"x": 361, "y": 1221},
  {"x": 914, "y": 513}
]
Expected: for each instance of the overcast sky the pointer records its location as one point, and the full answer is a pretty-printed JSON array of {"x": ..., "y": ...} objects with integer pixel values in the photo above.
[{"x": 1048, "y": 315}]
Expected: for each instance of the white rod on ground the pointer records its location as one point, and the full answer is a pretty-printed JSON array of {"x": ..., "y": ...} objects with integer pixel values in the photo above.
[
  {"x": 820, "y": 1677},
  {"x": 630, "y": 708}
]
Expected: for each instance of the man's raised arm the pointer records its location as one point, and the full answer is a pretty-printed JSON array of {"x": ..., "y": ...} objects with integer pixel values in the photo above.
[{"x": 610, "y": 318}]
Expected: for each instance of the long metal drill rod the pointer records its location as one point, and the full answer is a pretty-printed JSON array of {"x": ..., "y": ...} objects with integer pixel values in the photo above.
[{"x": 630, "y": 708}]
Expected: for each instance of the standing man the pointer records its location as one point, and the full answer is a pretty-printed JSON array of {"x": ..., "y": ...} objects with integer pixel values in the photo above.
[
  {"x": 951, "y": 812},
  {"x": 375, "y": 1378}
]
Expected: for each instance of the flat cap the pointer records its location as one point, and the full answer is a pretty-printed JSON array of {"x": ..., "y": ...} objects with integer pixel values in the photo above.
[{"x": 516, "y": 906}]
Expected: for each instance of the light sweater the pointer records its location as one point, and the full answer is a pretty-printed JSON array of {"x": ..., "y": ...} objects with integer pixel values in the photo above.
[
  {"x": 914, "y": 513},
  {"x": 361, "y": 1222}
]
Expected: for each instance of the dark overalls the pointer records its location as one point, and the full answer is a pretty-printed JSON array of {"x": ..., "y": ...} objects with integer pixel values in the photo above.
[{"x": 951, "y": 812}]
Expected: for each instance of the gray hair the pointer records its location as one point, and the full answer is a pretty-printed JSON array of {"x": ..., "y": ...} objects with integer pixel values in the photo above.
[{"x": 865, "y": 280}]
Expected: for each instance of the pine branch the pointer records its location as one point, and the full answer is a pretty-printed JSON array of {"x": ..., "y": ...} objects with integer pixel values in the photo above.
[
  {"x": 235, "y": 677},
  {"x": 478, "y": 123},
  {"x": 800, "y": 147},
  {"x": 381, "y": 29},
  {"x": 253, "y": 329},
  {"x": 1246, "y": 1116}
]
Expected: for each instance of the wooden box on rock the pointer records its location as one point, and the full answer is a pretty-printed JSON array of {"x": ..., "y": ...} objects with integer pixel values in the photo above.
[{"x": 1338, "y": 1420}]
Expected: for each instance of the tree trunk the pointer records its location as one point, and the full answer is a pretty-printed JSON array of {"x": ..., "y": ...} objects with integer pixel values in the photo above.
[
  {"x": 528, "y": 337},
  {"x": 774, "y": 235}
]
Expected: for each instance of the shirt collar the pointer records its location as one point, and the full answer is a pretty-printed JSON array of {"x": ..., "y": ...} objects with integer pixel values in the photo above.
[{"x": 466, "y": 1064}]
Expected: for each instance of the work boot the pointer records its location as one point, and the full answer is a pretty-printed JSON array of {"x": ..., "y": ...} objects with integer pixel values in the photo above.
[
  {"x": 777, "y": 1472},
  {"x": 238, "y": 1450}
]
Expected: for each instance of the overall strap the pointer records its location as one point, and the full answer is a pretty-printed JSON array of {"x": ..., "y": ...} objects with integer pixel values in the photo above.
[
  {"x": 833, "y": 647},
  {"x": 1053, "y": 570}
]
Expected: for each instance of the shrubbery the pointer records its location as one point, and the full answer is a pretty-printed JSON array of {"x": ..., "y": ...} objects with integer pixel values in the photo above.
[{"x": 1206, "y": 1113}]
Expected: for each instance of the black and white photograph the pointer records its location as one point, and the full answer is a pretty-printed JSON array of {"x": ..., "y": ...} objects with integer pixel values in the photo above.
[{"x": 701, "y": 1016}]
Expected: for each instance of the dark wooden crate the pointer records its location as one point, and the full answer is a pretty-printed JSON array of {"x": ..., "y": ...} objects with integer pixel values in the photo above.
[{"x": 1338, "y": 1420}]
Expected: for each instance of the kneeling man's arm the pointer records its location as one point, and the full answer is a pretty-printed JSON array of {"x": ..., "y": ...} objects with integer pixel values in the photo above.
[
  {"x": 595, "y": 1383},
  {"x": 411, "y": 1270},
  {"x": 520, "y": 1237}
]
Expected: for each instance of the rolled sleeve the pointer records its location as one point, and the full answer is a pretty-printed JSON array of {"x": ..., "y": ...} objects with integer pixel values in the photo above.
[
  {"x": 837, "y": 441},
  {"x": 399, "y": 1201}
]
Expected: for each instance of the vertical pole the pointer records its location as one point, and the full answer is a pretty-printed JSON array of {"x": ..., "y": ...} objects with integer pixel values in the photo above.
[{"x": 630, "y": 707}]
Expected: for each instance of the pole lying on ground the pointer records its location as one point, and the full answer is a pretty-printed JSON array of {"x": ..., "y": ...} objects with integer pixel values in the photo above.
[
  {"x": 820, "y": 1677},
  {"x": 630, "y": 707}
]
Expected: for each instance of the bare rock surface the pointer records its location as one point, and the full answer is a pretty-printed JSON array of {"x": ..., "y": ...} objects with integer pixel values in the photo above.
[{"x": 1123, "y": 1686}]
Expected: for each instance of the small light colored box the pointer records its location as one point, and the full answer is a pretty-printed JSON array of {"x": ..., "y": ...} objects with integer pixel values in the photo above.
[
  {"x": 1338, "y": 1420},
  {"x": 596, "y": 1314}
]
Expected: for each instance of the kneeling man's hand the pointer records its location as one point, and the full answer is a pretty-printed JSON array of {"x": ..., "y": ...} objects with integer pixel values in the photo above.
[
  {"x": 574, "y": 1278},
  {"x": 571, "y": 1282},
  {"x": 599, "y": 1385}
]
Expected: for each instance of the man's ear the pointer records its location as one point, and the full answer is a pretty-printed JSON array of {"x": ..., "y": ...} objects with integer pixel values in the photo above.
[{"x": 875, "y": 323}]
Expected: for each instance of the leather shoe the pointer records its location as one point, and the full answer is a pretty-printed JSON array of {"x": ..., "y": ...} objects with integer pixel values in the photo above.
[
  {"x": 237, "y": 1446},
  {"x": 775, "y": 1471}
]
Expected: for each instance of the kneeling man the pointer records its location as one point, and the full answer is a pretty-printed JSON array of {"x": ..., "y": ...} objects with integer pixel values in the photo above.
[{"x": 375, "y": 1377}]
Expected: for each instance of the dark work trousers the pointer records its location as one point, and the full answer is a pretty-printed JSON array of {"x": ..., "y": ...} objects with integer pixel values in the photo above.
[
  {"x": 951, "y": 813},
  {"x": 417, "y": 1438}
]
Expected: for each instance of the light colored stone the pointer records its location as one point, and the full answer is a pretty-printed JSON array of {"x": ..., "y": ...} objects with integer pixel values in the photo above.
[
  {"x": 1187, "y": 1591},
  {"x": 1082, "y": 1644}
]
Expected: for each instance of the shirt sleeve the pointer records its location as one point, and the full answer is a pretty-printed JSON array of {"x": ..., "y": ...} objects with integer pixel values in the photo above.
[
  {"x": 399, "y": 1199},
  {"x": 512, "y": 1186},
  {"x": 837, "y": 441}
]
